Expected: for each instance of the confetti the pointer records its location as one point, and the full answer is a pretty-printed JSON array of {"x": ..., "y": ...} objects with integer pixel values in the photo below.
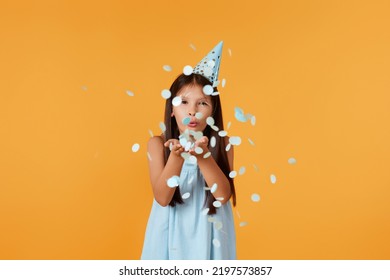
[
  {"x": 215, "y": 93},
  {"x": 208, "y": 90},
  {"x": 243, "y": 224},
  {"x": 218, "y": 225},
  {"x": 210, "y": 121},
  {"x": 198, "y": 150},
  {"x": 151, "y": 133},
  {"x": 192, "y": 47},
  {"x": 186, "y": 195},
  {"x": 135, "y": 148},
  {"x": 223, "y": 82},
  {"x": 233, "y": 174},
  {"x": 167, "y": 68},
  {"x": 198, "y": 115},
  {"x": 211, "y": 219},
  {"x": 129, "y": 93},
  {"x": 163, "y": 127},
  {"x": 229, "y": 124},
  {"x": 192, "y": 159},
  {"x": 165, "y": 93},
  {"x": 251, "y": 142},
  {"x": 185, "y": 155},
  {"x": 235, "y": 140},
  {"x": 222, "y": 133},
  {"x": 186, "y": 120},
  {"x": 253, "y": 120},
  {"x": 219, "y": 198},
  {"x": 292, "y": 160},
  {"x": 273, "y": 178},
  {"x": 255, "y": 197},
  {"x": 239, "y": 114},
  {"x": 149, "y": 156},
  {"x": 213, "y": 141},
  {"x": 173, "y": 182},
  {"x": 216, "y": 243},
  {"x": 214, "y": 188},
  {"x": 228, "y": 146},
  {"x": 206, "y": 155},
  {"x": 176, "y": 101},
  {"x": 187, "y": 70},
  {"x": 217, "y": 203},
  {"x": 215, "y": 128},
  {"x": 205, "y": 211},
  {"x": 242, "y": 170}
]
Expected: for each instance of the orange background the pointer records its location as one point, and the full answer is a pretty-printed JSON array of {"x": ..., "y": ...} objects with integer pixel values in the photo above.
[{"x": 314, "y": 73}]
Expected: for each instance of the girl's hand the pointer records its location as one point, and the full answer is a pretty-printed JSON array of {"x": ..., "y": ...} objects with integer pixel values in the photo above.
[
  {"x": 201, "y": 143},
  {"x": 174, "y": 146}
]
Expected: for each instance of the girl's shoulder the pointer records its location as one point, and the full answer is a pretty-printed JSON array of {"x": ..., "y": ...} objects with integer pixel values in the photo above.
[{"x": 156, "y": 141}]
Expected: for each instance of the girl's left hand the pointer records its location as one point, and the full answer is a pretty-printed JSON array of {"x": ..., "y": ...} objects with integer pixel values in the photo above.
[{"x": 201, "y": 143}]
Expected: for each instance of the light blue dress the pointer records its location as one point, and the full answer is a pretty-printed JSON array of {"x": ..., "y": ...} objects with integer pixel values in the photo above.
[{"x": 184, "y": 232}]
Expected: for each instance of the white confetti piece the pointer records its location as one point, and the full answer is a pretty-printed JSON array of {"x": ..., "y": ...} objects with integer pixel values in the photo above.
[
  {"x": 210, "y": 121},
  {"x": 239, "y": 114},
  {"x": 235, "y": 140},
  {"x": 228, "y": 147},
  {"x": 292, "y": 160},
  {"x": 242, "y": 170},
  {"x": 135, "y": 148},
  {"x": 238, "y": 214},
  {"x": 186, "y": 120},
  {"x": 229, "y": 125},
  {"x": 167, "y": 68},
  {"x": 187, "y": 70},
  {"x": 192, "y": 159},
  {"x": 198, "y": 115},
  {"x": 216, "y": 243},
  {"x": 165, "y": 93},
  {"x": 208, "y": 90},
  {"x": 213, "y": 141},
  {"x": 218, "y": 225},
  {"x": 129, "y": 93},
  {"x": 211, "y": 219},
  {"x": 222, "y": 133},
  {"x": 243, "y": 224},
  {"x": 214, "y": 188},
  {"x": 151, "y": 133},
  {"x": 255, "y": 197},
  {"x": 217, "y": 204},
  {"x": 206, "y": 155},
  {"x": 253, "y": 120},
  {"x": 219, "y": 198},
  {"x": 273, "y": 178},
  {"x": 198, "y": 150},
  {"x": 205, "y": 211},
  {"x": 251, "y": 142},
  {"x": 163, "y": 127},
  {"x": 173, "y": 182},
  {"x": 233, "y": 174},
  {"x": 223, "y": 82},
  {"x": 215, "y": 128},
  {"x": 149, "y": 156},
  {"x": 186, "y": 195},
  {"x": 215, "y": 93},
  {"x": 192, "y": 46},
  {"x": 176, "y": 101}
]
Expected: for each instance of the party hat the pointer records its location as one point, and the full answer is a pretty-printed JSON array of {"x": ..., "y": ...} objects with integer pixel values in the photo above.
[{"x": 209, "y": 65}]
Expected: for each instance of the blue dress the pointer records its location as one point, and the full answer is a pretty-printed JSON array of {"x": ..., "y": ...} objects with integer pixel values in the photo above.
[{"x": 184, "y": 232}]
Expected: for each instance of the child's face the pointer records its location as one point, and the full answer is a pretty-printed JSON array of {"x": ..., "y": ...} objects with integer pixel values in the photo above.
[{"x": 193, "y": 101}]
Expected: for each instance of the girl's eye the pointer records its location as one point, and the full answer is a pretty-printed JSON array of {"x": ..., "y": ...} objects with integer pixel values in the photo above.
[
  {"x": 184, "y": 102},
  {"x": 204, "y": 103}
]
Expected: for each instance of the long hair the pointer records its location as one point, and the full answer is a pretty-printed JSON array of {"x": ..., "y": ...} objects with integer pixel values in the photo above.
[{"x": 218, "y": 152}]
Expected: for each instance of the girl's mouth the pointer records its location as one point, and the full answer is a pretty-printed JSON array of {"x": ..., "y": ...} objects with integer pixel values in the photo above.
[{"x": 192, "y": 124}]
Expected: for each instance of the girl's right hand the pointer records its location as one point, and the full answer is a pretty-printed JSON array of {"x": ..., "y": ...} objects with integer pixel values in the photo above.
[{"x": 174, "y": 146}]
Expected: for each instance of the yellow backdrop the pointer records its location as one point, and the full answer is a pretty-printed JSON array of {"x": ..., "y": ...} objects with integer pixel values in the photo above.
[{"x": 314, "y": 73}]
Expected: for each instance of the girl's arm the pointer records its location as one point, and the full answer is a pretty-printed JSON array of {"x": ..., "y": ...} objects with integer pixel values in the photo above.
[
  {"x": 159, "y": 174},
  {"x": 213, "y": 174}
]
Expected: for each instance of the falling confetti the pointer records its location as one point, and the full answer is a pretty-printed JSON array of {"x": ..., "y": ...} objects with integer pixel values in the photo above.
[
  {"x": 223, "y": 82},
  {"x": 217, "y": 203},
  {"x": 198, "y": 150},
  {"x": 205, "y": 211},
  {"x": 149, "y": 156},
  {"x": 165, "y": 93},
  {"x": 173, "y": 182},
  {"x": 239, "y": 114},
  {"x": 273, "y": 178},
  {"x": 216, "y": 243},
  {"x": 243, "y": 224},
  {"x": 214, "y": 188},
  {"x": 186, "y": 120},
  {"x": 242, "y": 170},
  {"x": 186, "y": 195},
  {"x": 292, "y": 160},
  {"x": 215, "y": 93},
  {"x": 208, "y": 90},
  {"x": 192, "y": 47},
  {"x": 187, "y": 70},
  {"x": 233, "y": 174},
  {"x": 192, "y": 159},
  {"x": 198, "y": 115},
  {"x": 235, "y": 140},
  {"x": 251, "y": 142},
  {"x": 210, "y": 121},
  {"x": 253, "y": 120},
  {"x": 229, "y": 124},
  {"x": 129, "y": 93},
  {"x": 218, "y": 225},
  {"x": 206, "y": 155},
  {"x": 167, "y": 68},
  {"x": 213, "y": 141},
  {"x": 255, "y": 197},
  {"x": 228, "y": 146},
  {"x": 163, "y": 127},
  {"x": 151, "y": 133},
  {"x": 222, "y": 133},
  {"x": 176, "y": 101},
  {"x": 135, "y": 148},
  {"x": 216, "y": 83}
]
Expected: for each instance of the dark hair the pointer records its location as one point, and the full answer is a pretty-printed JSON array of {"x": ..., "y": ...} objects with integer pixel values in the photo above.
[{"x": 218, "y": 152}]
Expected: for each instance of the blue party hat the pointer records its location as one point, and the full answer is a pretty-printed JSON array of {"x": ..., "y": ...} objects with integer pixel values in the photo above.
[{"x": 209, "y": 65}]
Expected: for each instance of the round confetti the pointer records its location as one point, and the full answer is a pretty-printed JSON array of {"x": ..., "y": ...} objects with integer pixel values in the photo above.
[
  {"x": 253, "y": 120},
  {"x": 215, "y": 128},
  {"x": 273, "y": 178},
  {"x": 186, "y": 120},
  {"x": 192, "y": 159},
  {"x": 199, "y": 115},
  {"x": 233, "y": 174},
  {"x": 216, "y": 243},
  {"x": 198, "y": 150},
  {"x": 165, "y": 93},
  {"x": 217, "y": 203},
  {"x": 292, "y": 160},
  {"x": 223, "y": 82},
  {"x": 222, "y": 133},
  {"x": 239, "y": 114},
  {"x": 219, "y": 198},
  {"x": 163, "y": 127},
  {"x": 151, "y": 133},
  {"x": 211, "y": 219},
  {"x": 210, "y": 121},
  {"x": 173, "y": 181},
  {"x": 135, "y": 147},
  {"x": 214, "y": 188},
  {"x": 187, "y": 70},
  {"x": 243, "y": 224},
  {"x": 215, "y": 93},
  {"x": 235, "y": 140},
  {"x": 193, "y": 47},
  {"x": 229, "y": 124},
  {"x": 255, "y": 197},
  {"x": 129, "y": 93},
  {"x": 176, "y": 101},
  {"x": 228, "y": 147},
  {"x": 167, "y": 68},
  {"x": 186, "y": 195},
  {"x": 213, "y": 141},
  {"x": 206, "y": 155},
  {"x": 242, "y": 170},
  {"x": 185, "y": 155},
  {"x": 208, "y": 90}
]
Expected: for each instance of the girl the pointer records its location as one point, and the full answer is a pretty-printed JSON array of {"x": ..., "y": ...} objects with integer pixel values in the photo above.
[{"x": 194, "y": 219}]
